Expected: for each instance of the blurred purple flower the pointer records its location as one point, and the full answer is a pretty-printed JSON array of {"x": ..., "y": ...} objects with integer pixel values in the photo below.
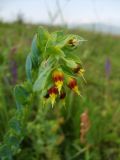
[
  {"x": 13, "y": 68},
  {"x": 107, "y": 67},
  {"x": 13, "y": 65}
]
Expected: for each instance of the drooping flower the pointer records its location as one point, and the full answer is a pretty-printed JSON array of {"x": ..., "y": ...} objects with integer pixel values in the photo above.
[
  {"x": 72, "y": 84},
  {"x": 53, "y": 91},
  {"x": 79, "y": 70},
  {"x": 58, "y": 78},
  {"x": 62, "y": 97}
]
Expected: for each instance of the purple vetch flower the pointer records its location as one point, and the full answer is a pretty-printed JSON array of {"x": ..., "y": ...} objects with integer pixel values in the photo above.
[
  {"x": 107, "y": 68},
  {"x": 13, "y": 65}
]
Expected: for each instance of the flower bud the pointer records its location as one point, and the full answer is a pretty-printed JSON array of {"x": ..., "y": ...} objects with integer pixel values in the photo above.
[
  {"x": 73, "y": 85},
  {"x": 73, "y": 42},
  {"x": 58, "y": 78},
  {"x": 78, "y": 69},
  {"x": 53, "y": 91}
]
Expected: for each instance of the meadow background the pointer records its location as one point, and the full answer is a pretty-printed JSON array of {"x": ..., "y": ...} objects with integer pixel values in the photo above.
[{"x": 54, "y": 134}]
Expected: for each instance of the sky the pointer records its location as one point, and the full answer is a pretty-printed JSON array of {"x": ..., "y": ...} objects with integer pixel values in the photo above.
[{"x": 73, "y": 11}]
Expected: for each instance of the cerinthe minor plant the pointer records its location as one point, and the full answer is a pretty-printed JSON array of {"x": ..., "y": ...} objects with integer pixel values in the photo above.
[{"x": 52, "y": 69}]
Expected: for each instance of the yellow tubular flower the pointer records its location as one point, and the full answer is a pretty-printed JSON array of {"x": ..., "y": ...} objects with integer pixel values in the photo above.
[
  {"x": 58, "y": 78},
  {"x": 76, "y": 90},
  {"x": 59, "y": 85},
  {"x": 73, "y": 85},
  {"x": 53, "y": 91}
]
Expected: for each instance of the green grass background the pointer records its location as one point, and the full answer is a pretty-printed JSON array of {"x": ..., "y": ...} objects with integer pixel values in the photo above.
[{"x": 48, "y": 138}]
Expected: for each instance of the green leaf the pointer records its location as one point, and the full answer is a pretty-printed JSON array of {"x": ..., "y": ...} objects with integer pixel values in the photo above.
[
  {"x": 70, "y": 63},
  {"x": 67, "y": 71},
  {"x": 20, "y": 95},
  {"x": 59, "y": 38},
  {"x": 42, "y": 78},
  {"x": 73, "y": 56},
  {"x": 15, "y": 125},
  {"x": 29, "y": 68},
  {"x": 53, "y": 49},
  {"x": 5, "y": 153},
  {"x": 13, "y": 142},
  {"x": 34, "y": 47},
  {"x": 41, "y": 81},
  {"x": 42, "y": 38},
  {"x": 35, "y": 53},
  {"x": 64, "y": 41}
]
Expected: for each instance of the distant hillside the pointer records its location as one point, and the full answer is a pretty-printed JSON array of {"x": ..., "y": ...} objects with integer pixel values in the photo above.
[{"x": 99, "y": 27}]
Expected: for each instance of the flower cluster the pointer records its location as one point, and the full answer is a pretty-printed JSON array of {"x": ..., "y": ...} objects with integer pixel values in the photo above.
[
  {"x": 59, "y": 66},
  {"x": 60, "y": 79}
]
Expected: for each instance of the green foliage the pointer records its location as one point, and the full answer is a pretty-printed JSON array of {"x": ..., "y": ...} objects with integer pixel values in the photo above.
[
  {"x": 16, "y": 130},
  {"x": 45, "y": 52},
  {"x": 32, "y": 132}
]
